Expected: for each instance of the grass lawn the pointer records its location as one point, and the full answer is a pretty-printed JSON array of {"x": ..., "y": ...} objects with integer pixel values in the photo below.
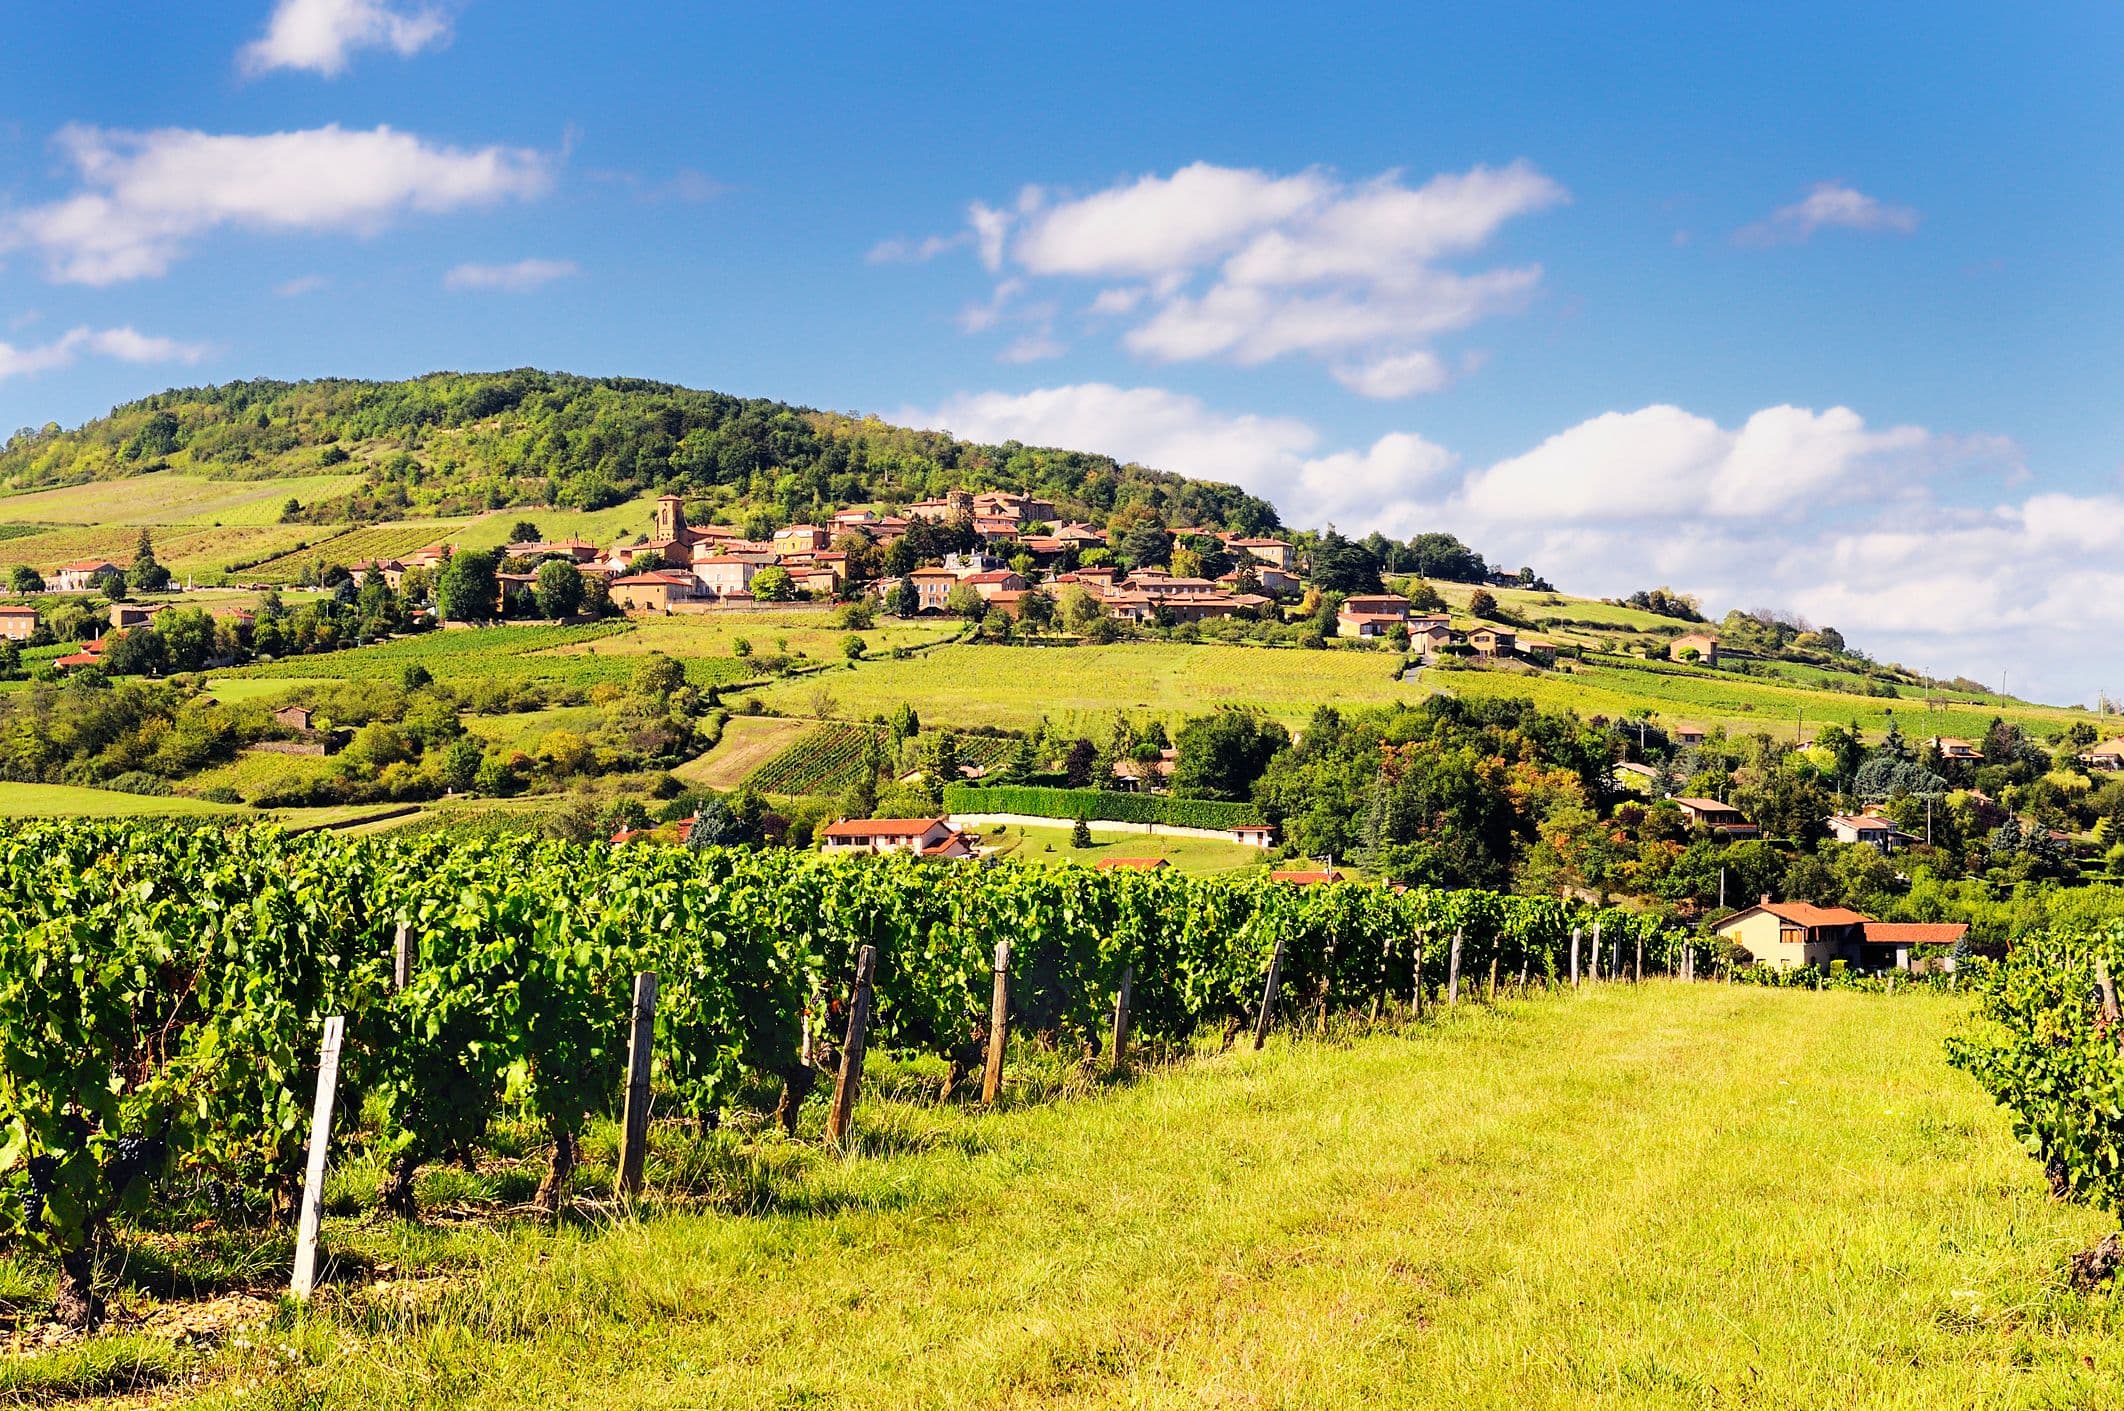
[
  {"x": 524, "y": 730},
  {"x": 791, "y": 631},
  {"x": 233, "y": 690},
  {"x": 1082, "y": 687},
  {"x": 67, "y": 800},
  {"x": 1201, "y": 856},
  {"x": 1663, "y": 1197},
  {"x": 748, "y": 742}
]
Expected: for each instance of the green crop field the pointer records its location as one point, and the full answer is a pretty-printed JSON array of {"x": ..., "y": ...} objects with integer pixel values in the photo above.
[
  {"x": 470, "y": 655},
  {"x": 66, "y": 800},
  {"x": 1743, "y": 704},
  {"x": 169, "y": 499},
  {"x": 186, "y": 552},
  {"x": 352, "y": 546},
  {"x": 1761, "y": 1198},
  {"x": 784, "y": 631},
  {"x": 1083, "y": 686},
  {"x": 748, "y": 742}
]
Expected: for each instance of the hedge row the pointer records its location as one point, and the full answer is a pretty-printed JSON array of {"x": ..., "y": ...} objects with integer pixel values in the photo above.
[{"x": 1099, "y": 804}]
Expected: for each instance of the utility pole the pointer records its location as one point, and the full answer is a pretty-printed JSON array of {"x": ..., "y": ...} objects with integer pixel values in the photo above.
[{"x": 1722, "y": 888}]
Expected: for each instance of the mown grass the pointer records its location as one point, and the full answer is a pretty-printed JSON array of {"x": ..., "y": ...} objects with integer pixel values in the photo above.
[
  {"x": 747, "y": 742},
  {"x": 1051, "y": 847},
  {"x": 1662, "y": 1197},
  {"x": 1082, "y": 687},
  {"x": 68, "y": 800}
]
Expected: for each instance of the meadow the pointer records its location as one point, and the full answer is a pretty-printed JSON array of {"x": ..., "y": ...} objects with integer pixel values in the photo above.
[
  {"x": 1761, "y": 1197},
  {"x": 168, "y": 498},
  {"x": 1080, "y": 688},
  {"x": 1050, "y": 847},
  {"x": 20, "y": 800}
]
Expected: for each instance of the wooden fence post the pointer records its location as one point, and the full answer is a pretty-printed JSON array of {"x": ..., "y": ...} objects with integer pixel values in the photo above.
[
  {"x": 1120, "y": 1045},
  {"x": 1596, "y": 950},
  {"x": 1575, "y": 932},
  {"x": 1419, "y": 977},
  {"x": 998, "y": 1027},
  {"x": 1490, "y": 996},
  {"x": 844, "y": 1088},
  {"x": 1637, "y": 969},
  {"x": 2109, "y": 990},
  {"x": 634, "y": 1112},
  {"x": 1453, "y": 969},
  {"x": 305, "y": 1276},
  {"x": 1268, "y": 995},
  {"x": 1526, "y": 964},
  {"x": 402, "y": 959}
]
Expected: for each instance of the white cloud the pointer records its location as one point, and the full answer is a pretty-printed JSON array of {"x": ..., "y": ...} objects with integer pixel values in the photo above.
[
  {"x": 321, "y": 35},
  {"x": 1812, "y": 511},
  {"x": 1247, "y": 266},
  {"x": 903, "y": 251},
  {"x": 145, "y": 195},
  {"x": 1829, "y": 204},
  {"x": 520, "y": 277},
  {"x": 125, "y": 344},
  {"x": 301, "y": 284},
  {"x": 1396, "y": 375}
]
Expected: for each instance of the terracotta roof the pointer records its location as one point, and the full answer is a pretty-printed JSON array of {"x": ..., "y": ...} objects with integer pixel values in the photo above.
[
  {"x": 668, "y": 580},
  {"x": 1915, "y": 933},
  {"x": 11, "y": 611},
  {"x": 1863, "y": 822},
  {"x": 78, "y": 659},
  {"x": 1802, "y": 913},
  {"x": 1129, "y": 864},
  {"x": 881, "y": 827}
]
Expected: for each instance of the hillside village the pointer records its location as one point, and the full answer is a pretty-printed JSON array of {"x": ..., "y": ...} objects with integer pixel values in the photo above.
[{"x": 1457, "y": 757}]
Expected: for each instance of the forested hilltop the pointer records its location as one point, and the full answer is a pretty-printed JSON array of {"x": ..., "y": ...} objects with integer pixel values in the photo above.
[{"x": 458, "y": 443}]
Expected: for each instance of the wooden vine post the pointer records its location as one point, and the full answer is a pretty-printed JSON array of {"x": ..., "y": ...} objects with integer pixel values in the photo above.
[
  {"x": 1596, "y": 950},
  {"x": 2109, "y": 990},
  {"x": 402, "y": 959},
  {"x": 1575, "y": 933},
  {"x": 1121, "y": 997},
  {"x": 634, "y": 1112},
  {"x": 1637, "y": 967},
  {"x": 1490, "y": 995},
  {"x": 998, "y": 1027},
  {"x": 1418, "y": 977},
  {"x": 313, "y": 1176},
  {"x": 1268, "y": 995},
  {"x": 844, "y": 1087},
  {"x": 1453, "y": 970}
]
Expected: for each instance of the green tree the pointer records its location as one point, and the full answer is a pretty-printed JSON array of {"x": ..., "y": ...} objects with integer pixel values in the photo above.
[
  {"x": 773, "y": 585},
  {"x": 148, "y": 575},
  {"x": 1147, "y": 544},
  {"x": 1080, "y": 834},
  {"x": 1482, "y": 603},
  {"x": 466, "y": 590},
  {"x": 558, "y": 588},
  {"x": 658, "y": 676},
  {"x": 964, "y": 601},
  {"x": 1220, "y": 755},
  {"x": 852, "y": 647},
  {"x": 906, "y": 598},
  {"x": 24, "y": 579},
  {"x": 524, "y": 532}
]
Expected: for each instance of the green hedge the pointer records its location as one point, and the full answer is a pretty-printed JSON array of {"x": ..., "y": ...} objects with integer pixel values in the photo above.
[{"x": 1099, "y": 804}]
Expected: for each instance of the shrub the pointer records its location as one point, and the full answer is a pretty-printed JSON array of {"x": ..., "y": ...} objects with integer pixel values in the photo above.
[{"x": 1102, "y": 804}]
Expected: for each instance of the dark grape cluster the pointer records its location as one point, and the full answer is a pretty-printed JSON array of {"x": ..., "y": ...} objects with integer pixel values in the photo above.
[{"x": 41, "y": 1171}]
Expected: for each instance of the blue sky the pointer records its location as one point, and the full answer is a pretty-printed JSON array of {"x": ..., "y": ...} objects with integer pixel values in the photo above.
[{"x": 1789, "y": 306}]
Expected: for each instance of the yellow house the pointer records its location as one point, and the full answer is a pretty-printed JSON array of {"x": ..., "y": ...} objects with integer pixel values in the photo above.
[{"x": 1789, "y": 934}]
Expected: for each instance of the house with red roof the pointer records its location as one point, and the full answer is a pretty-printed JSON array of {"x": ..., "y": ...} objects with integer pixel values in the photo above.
[
  {"x": 1790, "y": 934},
  {"x": 922, "y": 837}
]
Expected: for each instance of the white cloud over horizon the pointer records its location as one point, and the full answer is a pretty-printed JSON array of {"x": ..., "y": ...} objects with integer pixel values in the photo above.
[
  {"x": 1247, "y": 267},
  {"x": 518, "y": 277},
  {"x": 320, "y": 36},
  {"x": 1828, "y": 205},
  {"x": 1809, "y": 511},
  {"x": 125, "y": 344},
  {"x": 145, "y": 196}
]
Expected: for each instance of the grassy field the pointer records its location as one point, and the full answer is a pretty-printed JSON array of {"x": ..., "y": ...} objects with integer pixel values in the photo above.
[
  {"x": 785, "y": 631},
  {"x": 1663, "y": 1197},
  {"x": 1083, "y": 686},
  {"x": 1050, "y": 847},
  {"x": 67, "y": 800},
  {"x": 173, "y": 499},
  {"x": 748, "y": 742},
  {"x": 1743, "y": 704}
]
